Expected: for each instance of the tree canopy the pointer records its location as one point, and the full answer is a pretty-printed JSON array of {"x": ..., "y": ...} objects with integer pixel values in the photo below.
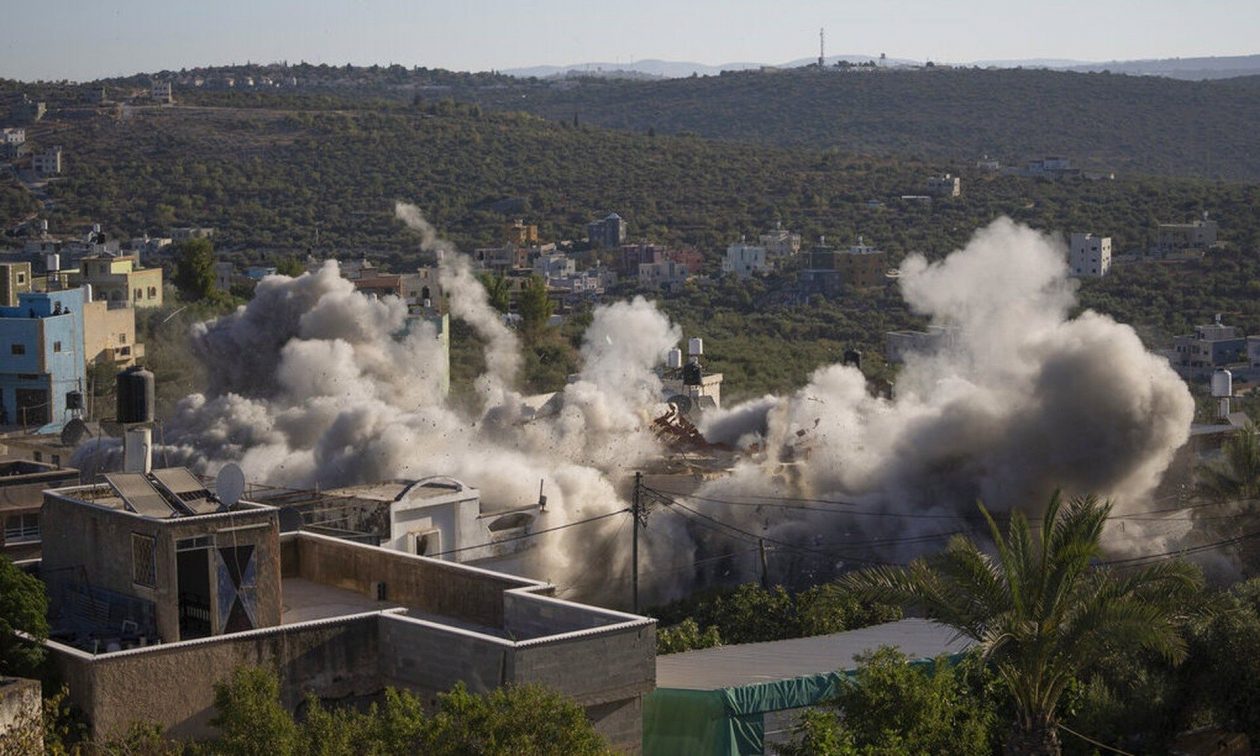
[
  {"x": 1041, "y": 613},
  {"x": 23, "y": 608}
]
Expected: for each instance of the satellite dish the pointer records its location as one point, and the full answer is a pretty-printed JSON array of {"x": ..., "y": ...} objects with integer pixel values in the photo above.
[
  {"x": 682, "y": 402},
  {"x": 74, "y": 432},
  {"x": 892, "y": 273},
  {"x": 230, "y": 484}
]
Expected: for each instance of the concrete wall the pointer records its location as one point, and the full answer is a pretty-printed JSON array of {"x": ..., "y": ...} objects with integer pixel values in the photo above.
[
  {"x": 429, "y": 659},
  {"x": 614, "y": 664},
  {"x": 429, "y": 585},
  {"x": 606, "y": 672},
  {"x": 21, "y": 717},
  {"x": 174, "y": 684},
  {"x": 107, "y": 331},
  {"x": 96, "y": 540}
]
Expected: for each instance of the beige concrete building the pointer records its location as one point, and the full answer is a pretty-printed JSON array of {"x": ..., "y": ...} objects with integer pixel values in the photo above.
[
  {"x": 120, "y": 279},
  {"x": 15, "y": 279},
  {"x": 158, "y": 591},
  {"x": 109, "y": 333}
]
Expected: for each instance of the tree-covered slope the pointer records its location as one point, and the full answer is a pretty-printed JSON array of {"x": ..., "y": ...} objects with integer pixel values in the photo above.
[{"x": 1130, "y": 124}]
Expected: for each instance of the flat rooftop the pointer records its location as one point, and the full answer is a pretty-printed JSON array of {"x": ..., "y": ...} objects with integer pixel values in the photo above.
[
  {"x": 754, "y": 663},
  {"x": 304, "y": 600}
]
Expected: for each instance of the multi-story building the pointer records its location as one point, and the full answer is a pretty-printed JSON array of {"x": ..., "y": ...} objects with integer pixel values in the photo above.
[
  {"x": 830, "y": 270},
  {"x": 520, "y": 234},
  {"x": 12, "y": 142},
  {"x": 15, "y": 279},
  {"x": 1089, "y": 256},
  {"x": 109, "y": 333},
  {"x": 503, "y": 259},
  {"x": 554, "y": 265},
  {"x": 1185, "y": 239},
  {"x": 944, "y": 186},
  {"x": 779, "y": 243},
  {"x": 160, "y": 91},
  {"x": 743, "y": 259},
  {"x": 609, "y": 232},
  {"x": 1212, "y": 346},
  {"x": 159, "y": 589},
  {"x": 48, "y": 162},
  {"x": 666, "y": 274},
  {"x": 631, "y": 256},
  {"x": 42, "y": 374},
  {"x": 120, "y": 279}
]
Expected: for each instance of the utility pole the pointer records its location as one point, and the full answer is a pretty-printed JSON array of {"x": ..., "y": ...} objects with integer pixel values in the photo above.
[
  {"x": 636, "y": 512},
  {"x": 765, "y": 567}
]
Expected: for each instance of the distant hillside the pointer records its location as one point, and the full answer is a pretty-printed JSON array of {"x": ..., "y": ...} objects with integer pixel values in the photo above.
[
  {"x": 1130, "y": 124},
  {"x": 1192, "y": 69}
]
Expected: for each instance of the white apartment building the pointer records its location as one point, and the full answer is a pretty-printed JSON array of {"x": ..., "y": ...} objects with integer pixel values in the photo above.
[
  {"x": 780, "y": 243},
  {"x": 48, "y": 162},
  {"x": 1089, "y": 256},
  {"x": 744, "y": 259}
]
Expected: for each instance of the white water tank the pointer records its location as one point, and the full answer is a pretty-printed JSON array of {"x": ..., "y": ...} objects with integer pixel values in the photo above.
[
  {"x": 52, "y": 262},
  {"x": 673, "y": 358},
  {"x": 1222, "y": 384},
  {"x": 695, "y": 347}
]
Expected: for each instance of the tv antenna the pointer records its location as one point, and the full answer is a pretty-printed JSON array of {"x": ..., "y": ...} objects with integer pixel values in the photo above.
[{"x": 822, "y": 58}]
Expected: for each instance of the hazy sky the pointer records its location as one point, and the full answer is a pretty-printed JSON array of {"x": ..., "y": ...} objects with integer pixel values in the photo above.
[{"x": 86, "y": 39}]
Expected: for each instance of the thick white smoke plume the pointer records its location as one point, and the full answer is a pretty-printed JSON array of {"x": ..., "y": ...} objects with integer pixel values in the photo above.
[
  {"x": 1018, "y": 400},
  {"x": 313, "y": 383}
]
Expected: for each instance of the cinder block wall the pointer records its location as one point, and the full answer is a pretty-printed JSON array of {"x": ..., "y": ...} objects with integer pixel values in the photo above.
[
  {"x": 428, "y": 585},
  {"x": 173, "y": 685}
]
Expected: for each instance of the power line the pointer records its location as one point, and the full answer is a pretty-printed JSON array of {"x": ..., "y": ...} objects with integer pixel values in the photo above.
[
  {"x": 1115, "y": 562},
  {"x": 1181, "y": 552},
  {"x": 754, "y": 537},
  {"x": 786, "y": 503}
]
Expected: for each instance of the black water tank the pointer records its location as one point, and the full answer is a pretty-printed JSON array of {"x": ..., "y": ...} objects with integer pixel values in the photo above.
[
  {"x": 692, "y": 375},
  {"x": 135, "y": 395},
  {"x": 853, "y": 357}
]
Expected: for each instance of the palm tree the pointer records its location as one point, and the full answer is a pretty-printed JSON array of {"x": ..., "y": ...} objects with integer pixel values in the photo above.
[
  {"x": 1040, "y": 612},
  {"x": 1238, "y": 477}
]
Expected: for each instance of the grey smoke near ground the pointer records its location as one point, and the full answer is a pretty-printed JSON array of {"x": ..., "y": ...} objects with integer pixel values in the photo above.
[{"x": 313, "y": 383}]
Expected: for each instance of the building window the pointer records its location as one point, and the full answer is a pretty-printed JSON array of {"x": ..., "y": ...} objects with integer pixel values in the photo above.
[
  {"x": 143, "y": 561},
  {"x": 18, "y": 349},
  {"x": 21, "y": 278},
  {"x": 56, "y": 460},
  {"x": 23, "y": 528},
  {"x": 139, "y": 294},
  {"x": 122, "y": 338},
  {"x": 38, "y": 456},
  {"x": 152, "y": 292},
  {"x": 56, "y": 346}
]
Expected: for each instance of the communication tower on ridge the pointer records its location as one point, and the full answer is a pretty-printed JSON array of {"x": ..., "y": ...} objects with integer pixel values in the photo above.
[{"x": 822, "y": 58}]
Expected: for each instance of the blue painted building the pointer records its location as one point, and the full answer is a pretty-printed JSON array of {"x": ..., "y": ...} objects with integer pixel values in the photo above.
[{"x": 41, "y": 360}]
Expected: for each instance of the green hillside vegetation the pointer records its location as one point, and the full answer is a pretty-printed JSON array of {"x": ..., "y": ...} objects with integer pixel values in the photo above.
[
  {"x": 274, "y": 176},
  {"x": 1130, "y": 124}
]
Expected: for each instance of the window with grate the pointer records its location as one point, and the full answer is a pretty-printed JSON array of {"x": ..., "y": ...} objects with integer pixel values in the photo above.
[
  {"x": 23, "y": 528},
  {"x": 143, "y": 560}
]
